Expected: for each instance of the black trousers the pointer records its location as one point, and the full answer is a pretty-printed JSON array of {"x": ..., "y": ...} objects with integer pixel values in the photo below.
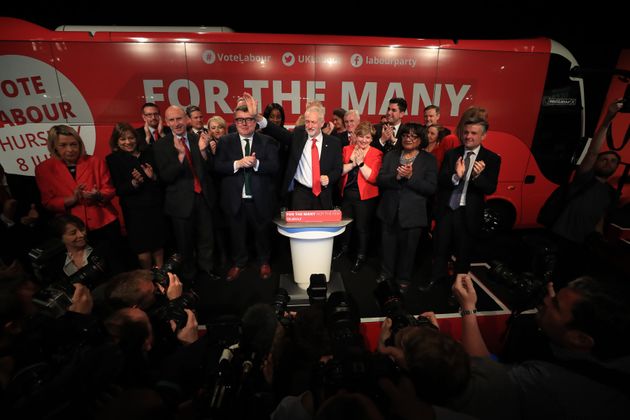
[
  {"x": 195, "y": 239},
  {"x": 451, "y": 237},
  {"x": 304, "y": 199},
  {"x": 362, "y": 213},
  {"x": 399, "y": 251},
  {"x": 248, "y": 217}
]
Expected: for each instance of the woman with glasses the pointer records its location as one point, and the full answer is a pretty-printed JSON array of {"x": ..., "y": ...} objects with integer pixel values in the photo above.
[
  {"x": 406, "y": 180},
  {"x": 136, "y": 183},
  {"x": 361, "y": 164}
]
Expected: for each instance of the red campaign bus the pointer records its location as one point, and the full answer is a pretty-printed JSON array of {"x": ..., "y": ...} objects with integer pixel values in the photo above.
[{"x": 91, "y": 79}]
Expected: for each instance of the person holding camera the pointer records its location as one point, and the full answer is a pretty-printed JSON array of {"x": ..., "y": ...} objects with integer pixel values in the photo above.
[
  {"x": 81, "y": 263},
  {"x": 586, "y": 325},
  {"x": 588, "y": 201},
  {"x": 439, "y": 378}
]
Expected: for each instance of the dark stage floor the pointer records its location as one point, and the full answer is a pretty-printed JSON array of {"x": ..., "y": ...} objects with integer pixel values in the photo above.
[{"x": 221, "y": 297}]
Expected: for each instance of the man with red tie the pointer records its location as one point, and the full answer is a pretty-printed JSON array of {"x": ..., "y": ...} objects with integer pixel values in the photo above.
[
  {"x": 183, "y": 162},
  {"x": 314, "y": 164},
  {"x": 153, "y": 128}
]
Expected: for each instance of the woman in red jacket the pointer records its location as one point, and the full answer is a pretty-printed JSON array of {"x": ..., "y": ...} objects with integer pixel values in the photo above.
[
  {"x": 75, "y": 183},
  {"x": 361, "y": 164}
]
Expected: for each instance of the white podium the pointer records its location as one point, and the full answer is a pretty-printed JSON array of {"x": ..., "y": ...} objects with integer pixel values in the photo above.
[{"x": 311, "y": 247}]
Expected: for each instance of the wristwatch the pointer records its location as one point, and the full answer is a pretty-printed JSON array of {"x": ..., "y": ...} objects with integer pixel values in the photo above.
[
  {"x": 468, "y": 312},
  {"x": 360, "y": 165}
]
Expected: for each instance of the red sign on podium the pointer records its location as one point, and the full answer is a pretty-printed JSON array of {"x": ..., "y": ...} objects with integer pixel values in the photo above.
[{"x": 312, "y": 216}]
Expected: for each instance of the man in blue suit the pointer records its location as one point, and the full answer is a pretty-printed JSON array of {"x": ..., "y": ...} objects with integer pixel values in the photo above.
[
  {"x": 468, "y": 174},
  {"x": 248, "y": 163}
]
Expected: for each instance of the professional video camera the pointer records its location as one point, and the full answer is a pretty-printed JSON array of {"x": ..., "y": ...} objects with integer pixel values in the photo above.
[
  {"x": 173, "y": 309},
  {"x": 42, "y": 259},
  {"x": 391, "y": 305},
  {"x": 527, "y": 289},
  {"x": 55, "y": 299}
]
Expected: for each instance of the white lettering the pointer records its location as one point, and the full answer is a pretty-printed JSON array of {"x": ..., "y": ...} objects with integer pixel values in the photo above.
[
  {"x": 311, "y": 90},
  {"x": 394, "y": 90},
  {"x": 216, "y": 91},
  {"x": 173, "y": 91},
  {"x": 293, "y": 95},
  {"x": 149, "y": 90},
  {"x": 349, "y": 99},
  {"x": 256, "y": 86},
  {"x": 456, "y": 98}
]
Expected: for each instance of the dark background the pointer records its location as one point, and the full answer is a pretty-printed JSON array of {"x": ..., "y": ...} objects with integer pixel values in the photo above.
[{"x": 594, "y": 34}]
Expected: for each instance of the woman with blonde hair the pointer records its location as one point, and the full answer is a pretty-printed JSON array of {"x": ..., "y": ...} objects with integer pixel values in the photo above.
[
  {"x": 361, "y": 164},
  {"x": 74, "y": 182}
]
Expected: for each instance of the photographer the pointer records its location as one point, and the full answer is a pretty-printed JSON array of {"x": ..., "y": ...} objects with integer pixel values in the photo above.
[
  {"x": 439, "y": 377},
  {"x": 587, "y": 325},
  {"x": 169, "y": 309},
  {"x": 586, "y": 202},
  {"x": 82, "y": 263}
]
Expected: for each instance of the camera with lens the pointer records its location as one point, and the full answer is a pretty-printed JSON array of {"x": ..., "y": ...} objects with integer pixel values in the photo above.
[
  {"x": 54, "y": 300},
  {"x": 391, "y": 305},
  {"x": 173, "y": 310},
  {"x": 352, "y": 366},
  {"x": 527, "y": 289},
  {"x": 172, "y": 265}
]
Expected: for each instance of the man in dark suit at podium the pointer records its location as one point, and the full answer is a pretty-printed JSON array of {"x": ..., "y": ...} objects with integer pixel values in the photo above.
[
  {"x": 184, "y": 162},
  {"x": 314, "y": 165},
  {"x": 248, "y": 162},
  {"x": 468, "y": 174}
]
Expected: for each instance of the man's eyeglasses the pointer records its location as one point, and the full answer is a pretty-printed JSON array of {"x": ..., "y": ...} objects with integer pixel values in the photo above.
[
  {"x": 244, "y": 120},
  {"x": 411, "y": 136},
  {"x": 152, "y": 114}
]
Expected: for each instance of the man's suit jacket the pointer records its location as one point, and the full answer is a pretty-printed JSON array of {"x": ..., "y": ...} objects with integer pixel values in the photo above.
[
  {"x": 376, "y": 139},
  {"x": 178, "y": 178},
  {"x": 141, "y": 137},
  {"x": 405, "y": 200},
  {"x": 262, "y": 181},
  {"x": 484, "y": 184},
  {"x": 329, "y": 160},
  {"x": 55, "y": 183}
]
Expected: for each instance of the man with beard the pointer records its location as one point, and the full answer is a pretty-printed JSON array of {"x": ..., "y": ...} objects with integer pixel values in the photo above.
[
  {"x": 314, "y": 164},
  {"x": 591, "y": 198}
]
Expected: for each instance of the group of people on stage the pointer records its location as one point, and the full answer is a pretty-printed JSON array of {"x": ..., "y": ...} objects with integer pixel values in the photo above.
[
  {"x": 404, "y": 173},
  {"x": 407, "y": 174}
]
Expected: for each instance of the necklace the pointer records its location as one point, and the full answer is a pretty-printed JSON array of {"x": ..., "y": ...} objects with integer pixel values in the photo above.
[{"x": 408, "y": 160}]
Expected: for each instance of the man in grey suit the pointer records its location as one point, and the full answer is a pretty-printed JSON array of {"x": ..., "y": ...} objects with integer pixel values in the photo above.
[{"x": 184, "y": 163}]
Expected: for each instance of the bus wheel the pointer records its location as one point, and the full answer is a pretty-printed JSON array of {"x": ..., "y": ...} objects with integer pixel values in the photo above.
[{"x": 498, "y": 217}]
